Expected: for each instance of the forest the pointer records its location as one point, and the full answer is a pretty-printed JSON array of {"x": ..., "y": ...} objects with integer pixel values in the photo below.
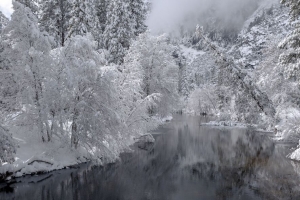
[{"x": 83, "y": 80}]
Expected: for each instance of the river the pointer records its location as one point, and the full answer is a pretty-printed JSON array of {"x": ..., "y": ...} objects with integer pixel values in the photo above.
[{"x": 187, "y": 161}]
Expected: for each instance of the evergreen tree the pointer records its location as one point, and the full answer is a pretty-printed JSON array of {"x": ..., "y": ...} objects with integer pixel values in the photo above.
[
  {"x": 55, "y": 17},
  {"x": 101, "y": 13},
  {"x": 83, "y": 18},
  {"x": 138, "y": 16},
  {"x": 118, "y": 31}
]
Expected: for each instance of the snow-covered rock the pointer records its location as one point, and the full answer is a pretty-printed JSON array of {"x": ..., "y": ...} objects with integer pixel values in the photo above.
[{"x": 145, "y": 142}]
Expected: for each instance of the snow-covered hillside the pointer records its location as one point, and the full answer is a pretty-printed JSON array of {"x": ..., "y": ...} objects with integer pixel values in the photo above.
[{"x": 270, "y": 22}]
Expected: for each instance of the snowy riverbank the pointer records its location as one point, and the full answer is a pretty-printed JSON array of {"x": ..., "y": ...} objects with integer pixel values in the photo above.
[
  {"x": 226, "y": 124},
  {"x": 35, "y": 157}
]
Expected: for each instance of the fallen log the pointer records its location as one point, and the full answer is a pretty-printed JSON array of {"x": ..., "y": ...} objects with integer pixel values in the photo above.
[{"x": 40, "y": 161}]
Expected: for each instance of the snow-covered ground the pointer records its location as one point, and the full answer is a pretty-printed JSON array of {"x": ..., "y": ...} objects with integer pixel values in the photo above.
[{"x": 33, "y": 155}]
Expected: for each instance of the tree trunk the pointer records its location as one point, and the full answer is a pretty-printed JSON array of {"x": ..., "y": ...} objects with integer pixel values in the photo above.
[
  {"x": 74, "y": 136},
  {"x": 38, "y": 93}
]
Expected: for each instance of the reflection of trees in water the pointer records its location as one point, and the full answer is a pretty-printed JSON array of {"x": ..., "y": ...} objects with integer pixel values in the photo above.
[
  {"x": 278, "y": 178},
  {"x": 236, "y": 160},
  {"x": 256, "y": 168}
]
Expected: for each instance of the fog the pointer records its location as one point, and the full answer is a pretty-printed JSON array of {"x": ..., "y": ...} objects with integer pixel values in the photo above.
[{"x": 174, "y": 16}]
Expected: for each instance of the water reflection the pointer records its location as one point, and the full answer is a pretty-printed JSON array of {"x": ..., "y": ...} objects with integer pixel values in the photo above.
[{"x": 188, "y": 161}]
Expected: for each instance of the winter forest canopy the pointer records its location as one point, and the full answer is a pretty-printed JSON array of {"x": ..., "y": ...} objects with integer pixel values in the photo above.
[{"x": 89, "y": 77}]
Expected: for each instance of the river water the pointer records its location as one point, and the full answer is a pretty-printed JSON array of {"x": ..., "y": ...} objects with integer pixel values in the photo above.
[{"x": 188, "y": 161}]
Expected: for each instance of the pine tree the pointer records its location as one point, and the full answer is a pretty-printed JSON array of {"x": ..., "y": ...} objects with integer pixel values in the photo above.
[
  {"x": 101, "y": 13},
  {"x": 83, "y": 18},
  {"x": 291, "y": 58},
  {"x": 118, "y": 31},
  {"x": 54, "y": 18},
  {"x": 138, "y": 16}
]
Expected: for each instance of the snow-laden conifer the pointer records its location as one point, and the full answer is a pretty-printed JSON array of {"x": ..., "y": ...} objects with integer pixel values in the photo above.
[{"x": 54, "y": 17}]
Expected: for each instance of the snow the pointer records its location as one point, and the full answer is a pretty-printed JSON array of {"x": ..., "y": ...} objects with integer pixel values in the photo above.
[
  {"x": 225, "y": 124},
  {"x": 167, "y": 118},
  {"x": 34, "y": 156}
]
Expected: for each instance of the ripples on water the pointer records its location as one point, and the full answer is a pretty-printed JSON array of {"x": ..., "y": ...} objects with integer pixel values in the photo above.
[{"x": 188, "y": 161}]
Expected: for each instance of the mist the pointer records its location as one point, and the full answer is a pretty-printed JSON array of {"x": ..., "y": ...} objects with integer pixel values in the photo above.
[{"x": 178, "y": 16}]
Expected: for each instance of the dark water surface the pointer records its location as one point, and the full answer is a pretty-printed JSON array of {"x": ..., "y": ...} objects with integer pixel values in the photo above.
[{"x": 187, "y": 162}]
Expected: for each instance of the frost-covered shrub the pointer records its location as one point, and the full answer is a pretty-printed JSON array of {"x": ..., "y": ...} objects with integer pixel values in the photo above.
[{"x": 7, "y": 146}]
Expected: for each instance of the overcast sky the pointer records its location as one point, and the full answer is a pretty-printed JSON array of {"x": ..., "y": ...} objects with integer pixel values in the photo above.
[{"x": 6, "y": 7}]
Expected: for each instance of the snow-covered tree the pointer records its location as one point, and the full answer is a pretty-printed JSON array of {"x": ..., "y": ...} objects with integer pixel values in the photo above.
[
  {"x": 118, "y": 32},
  {"x": 54, "y": 17},
  {"x": 27, "y": 51},
  {"x": 90, "y": 95},
  {"x": 138, "y": 16},
  {"x": 160, "y": 72},
  {"x": 133, "y": 104},
  {"x": 101, "y": 13},
  {"x": 84, "y": 18},
  {"x": 8, "y": 86}
]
